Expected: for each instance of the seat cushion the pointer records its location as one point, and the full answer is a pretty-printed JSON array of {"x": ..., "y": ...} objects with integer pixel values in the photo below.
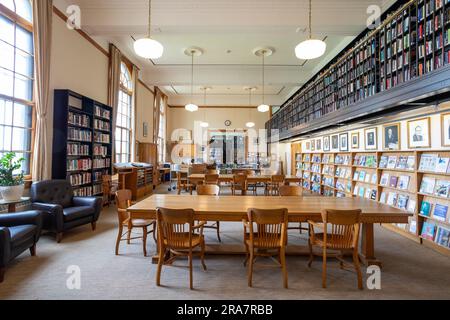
[
  {"x": 182, "y": 241},
  {"x": 75, "y": 213},
  {"x": 336, "y": 242},
  {"x": 21, "y": 234}
]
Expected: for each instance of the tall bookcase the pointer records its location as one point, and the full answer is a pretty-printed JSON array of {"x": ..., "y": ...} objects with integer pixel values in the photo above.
[
  {"x": 82, "y": 142},
  {"x": 395, "y": 178}
]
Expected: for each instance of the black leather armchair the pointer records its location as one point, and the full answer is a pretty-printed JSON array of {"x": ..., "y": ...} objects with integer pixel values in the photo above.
[
  {"x": 61, "y": 210},
  {"x": 18, "y": 232}
]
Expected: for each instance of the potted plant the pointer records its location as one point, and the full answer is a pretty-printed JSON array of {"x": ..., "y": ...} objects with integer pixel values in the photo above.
[{"x": 11, "y": 184}]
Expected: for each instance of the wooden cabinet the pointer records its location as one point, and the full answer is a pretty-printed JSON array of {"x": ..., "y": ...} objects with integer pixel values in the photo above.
[
  {"x": 148, "y": 153},
  {"x": 137, "y": 179}
]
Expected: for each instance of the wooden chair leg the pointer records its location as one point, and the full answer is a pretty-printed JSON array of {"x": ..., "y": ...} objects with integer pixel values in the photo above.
[
  {"x": 218, "y": 231},
  {"x": 130, "y": 228},
  {"x": 2, "y": 274},
  {"x": 250, "y": 267},
  {"x": 283, "y": 267},
  {"x": 59, "y": 237},
  {"x": 94, "y": 226},
  {"x": 33, "y": 250},
  {"x": 144, "y": 240},
  {"x": 191, "y": 281},
  {"x": 324, "y": 268},
  {"x": 154, "y": 233},
  {"x": 161, "y": 255},
  {"x": 202, "y": 255},
  {"x": 358, "y": 269},
  {"x": 311, "y": 255},
  {"x": 119, "y": 238}
]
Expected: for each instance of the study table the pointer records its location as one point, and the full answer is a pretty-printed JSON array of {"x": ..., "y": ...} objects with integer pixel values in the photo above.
[
  {"x": 251, "y": 179},
  {"x": 300, "y": 209}
]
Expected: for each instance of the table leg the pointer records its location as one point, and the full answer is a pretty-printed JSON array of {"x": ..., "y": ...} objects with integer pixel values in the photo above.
[
  {"x": 11, "y": 207},
  {"x": 368, "y": 245}
]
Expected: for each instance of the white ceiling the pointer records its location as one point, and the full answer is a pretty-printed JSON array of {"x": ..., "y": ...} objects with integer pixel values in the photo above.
[{"x": 227, "y": 31}]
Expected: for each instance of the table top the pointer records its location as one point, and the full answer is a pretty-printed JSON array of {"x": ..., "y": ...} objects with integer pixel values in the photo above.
[
  {"x": 201, "y": 176},
  {"x": 23, "y": 199},
  {"x": 234, "y": 208}
]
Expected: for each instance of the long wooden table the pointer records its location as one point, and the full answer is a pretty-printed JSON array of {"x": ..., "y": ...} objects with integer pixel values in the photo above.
[
  {"x": 251, "y": 179},
  {"x": 301, "y": 209}
]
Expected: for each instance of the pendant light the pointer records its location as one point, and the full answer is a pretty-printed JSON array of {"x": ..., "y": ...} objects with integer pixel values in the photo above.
[
  {"x": 311, "y": 48},
  {"x": 264, "y": 52},
  {"x": 147, "y": 47},
  {"x": 250, "y": 124},
  {"x": 204, "y": 123},
  {"x": 192, "y": 52}
]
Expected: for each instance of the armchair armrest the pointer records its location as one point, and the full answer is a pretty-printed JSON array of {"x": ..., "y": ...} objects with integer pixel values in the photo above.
[
  {"x": 48, "y": 207},
  {"x": 199, "y": 227},
  {"x": 21, "y": 218},
  {"x": 315, "y": 224},
  {"x": 246, "y": 224},
  {"x": 52, "y": 215},
  {"x": 95, "y": 202},
  {"x": 5, "y": 248}
]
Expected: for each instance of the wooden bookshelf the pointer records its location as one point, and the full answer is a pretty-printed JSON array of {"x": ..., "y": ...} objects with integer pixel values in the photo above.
[
  {"x": 82, "y": 142},
  {"x": 392, "y": 177}
]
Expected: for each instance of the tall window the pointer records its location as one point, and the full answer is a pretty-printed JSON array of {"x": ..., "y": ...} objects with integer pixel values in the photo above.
[
  {"x": 16, "y": 79},
  {"x": 162, "y": 132},
  {"x": 124, "y": 117}
]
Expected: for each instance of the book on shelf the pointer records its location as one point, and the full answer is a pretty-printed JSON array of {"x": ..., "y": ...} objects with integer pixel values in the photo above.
[
  {"x": 413, "y": 226},
  {"x": 402, "y": 201},
  {"x": 368, "y": 178},
  {"x": 402, "y": 163},
  {"x": 403, "y": 182},
  {"x": 440, "y": 212},
  {"x": 392, "y": 199},
  {"x": 356, "y": 191},
  {"x": 443, "y": 236},
  {"x": 427, "y": 185},
  {"x": 428, "y": 230},
  {"x": 428, "y": 162},
  {"x": 412, "y": 205},
  {"x": 373, "y": 194},
  {"x": 374, "y": 179},
  {"x": 383, "y": 197},
  {"x": 392, "y": 162},
  {"x": 367, "y": 193},
  {"x": 442, "y": 188},
  {"x": 425, "y": 209},
  {"x": 383, "y": 162},
  {"x": 393, "y": 182},
  {"x": 411, "y": 162},
  {"x": 384, "y": 179},
  {"x": 362, "y": 191},
  {"x": 362, "y": 176},
  {"x": 442, "y": 165}
]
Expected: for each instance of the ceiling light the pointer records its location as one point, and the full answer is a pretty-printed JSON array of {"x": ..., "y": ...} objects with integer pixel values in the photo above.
[
  {"x": 263, "y": 108},
  {"x": 250, "y": 124},
  {"x": 265, "y": 52},
  {"x": 147, "y": 47},
  {"x": 192, "y": 52},
  {"x": 204, "y": 124},
  {"x": 191, "y": 107},
  {"x": 311, "y": 48}
]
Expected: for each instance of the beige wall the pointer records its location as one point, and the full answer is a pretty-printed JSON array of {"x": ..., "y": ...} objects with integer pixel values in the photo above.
[
  {"x": 216, "y": 117},
  {"x": 144, "y": 113}
]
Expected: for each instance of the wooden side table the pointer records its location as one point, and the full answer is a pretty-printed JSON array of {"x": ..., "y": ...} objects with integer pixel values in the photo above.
[{"x": 12, "y": 204}]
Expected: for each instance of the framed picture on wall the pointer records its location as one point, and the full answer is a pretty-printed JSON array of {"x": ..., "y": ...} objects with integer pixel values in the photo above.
[
  {"x": 445, "y": 128},
  {"x": 319, "y": 144},
  {"x": 355, "y": 140},
  {"x": 308, "y": 146},
  {"x": 343, "y": 142},
  {"x": 313, "y": 145},
  {"x": 335, "y": 142},
  {"x": 391, "y": 136},
  {"x": 419, "y": 133},
  {"x": 326, "y": 143},
  {"x": 371, "y": 142}
]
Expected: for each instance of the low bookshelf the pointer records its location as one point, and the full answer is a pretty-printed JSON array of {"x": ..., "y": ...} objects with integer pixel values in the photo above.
[
  {"x": 414, "y": 181},
  {"x": 82, "y": 142}
]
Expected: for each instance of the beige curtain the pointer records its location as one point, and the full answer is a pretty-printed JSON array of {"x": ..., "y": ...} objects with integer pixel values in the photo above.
[
  {"x": 166, "y": 103},
  {"x": 114, "y": 86},
  {"x": 156, "y": 114},
  {"x": 134, "y": 80},
  {"x": 42, "y": 19}
]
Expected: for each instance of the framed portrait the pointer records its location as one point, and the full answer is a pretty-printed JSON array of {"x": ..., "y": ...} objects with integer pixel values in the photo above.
[
  {"x": 391, "y": 136},
  {"x": 319, "y": 144},
  {"x": 313, "y": 145},
  {"x": 326, "y": 143},
  {"x": 355, "y": 140},
  {"x": 335, "y": 142},
  {"x": 371, "y": 142},
  {"x": 343, "y": 142},
  {"x": 419, "y": 133},
  {"x": 308, "y": 146},
  {"x": 445, "y": 129}
]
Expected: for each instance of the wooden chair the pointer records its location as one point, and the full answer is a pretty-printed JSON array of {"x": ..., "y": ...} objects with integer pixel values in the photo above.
[
  {"x": 292, "y": 191},
  {"x": 183, "y": 183},
  {"x": 211, "y": 179},
  {"x": 340, "y": 233},
  {"x": 268, "y": 239},
  {"x": 273, "y": 187},
  {"x": 198, "y": 168},
  {"x": 212, "y": 171},
  {"x": 123, "y": 201},
  {"x": 107, "y": 190},
  {"x": 210, "y": 190},
  {"x": 177, "y": 235},
  {"x": 239, "y": 184}
]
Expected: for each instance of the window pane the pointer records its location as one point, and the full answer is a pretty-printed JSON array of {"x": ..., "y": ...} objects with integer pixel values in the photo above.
[
  {"x": 26, "y": 164},
  {"x": 6, "y": 82},
  {"x": 24, "y": 40},
  {"x": 6, "y": 112},
  {"x": 22, "y": 116},
  {"x": 23, "y": 9},
  {"x": 20, "y": 141},
  {"x": 24, "y": 63},
  {"x": 7, "y": 131},
  {"x": 23, "y": 88},
  {"x": 6, "y": 30},
  {"x": 9, "y": 4},
  {"x": 6, "y": 56}
]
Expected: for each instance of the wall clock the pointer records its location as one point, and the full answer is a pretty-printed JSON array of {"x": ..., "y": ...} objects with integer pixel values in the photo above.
[{"x": 228, "y": 123}]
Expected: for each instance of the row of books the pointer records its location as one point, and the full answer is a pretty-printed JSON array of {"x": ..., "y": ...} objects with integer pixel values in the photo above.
[
  {"x": 101, "y": 125},
  {"x": 398, "y": 200},
  {"x": 363, "y": 192},
  {"x": 102, "y": 163},
  {"x": 101, "y": 137},
  {"x": 75, "y": 149},
  {"x": 436, "y": 211},
  {"x": 80, "y": 179},
  {"x": 366, "y": 177},
  {"x": 437, "y": 187},
  {"x": 102, "y": 113},
  {"x": 79, "y": 120},
  {"x": 79, "y": 135},
  {"x": 98, "y": 175},
  {"x": 83, "y": 192},
  {"x": 344, "y": 186},
  {"x": 397, "y": 162},
  {"x": 434, "y": 163},
  {"x": 369, "y": 161},
  {"x": 393, "y": 181},
  {"x": 438, "y": 234},
  {"x": 81, "y": 164},
  {"x": 97, "y": 189},
  {"x": 100, "y": 150},
  {"x": 344, "y": 173}
]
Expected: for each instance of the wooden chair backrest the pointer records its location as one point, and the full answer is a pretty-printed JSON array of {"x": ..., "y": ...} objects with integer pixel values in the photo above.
[
  {"x": 341, "y": 228},
  {"x": 198, "y": 168},
  {"x": 211, "y": 179},
  {"x": 271, "y": 227},
  {"x": 123, "y": 202},
  {"x": 182, "y": 176},
  {"x": 278, "y": 178},
  {"x": 175, "y": 226},
  {"x": 242, "y": 171},
  {"x": 208, "y": 190},
  {"x": 239, "y": 178},
  {"x": 291, "y": 191},
  {"x": 212, "y": 171}
]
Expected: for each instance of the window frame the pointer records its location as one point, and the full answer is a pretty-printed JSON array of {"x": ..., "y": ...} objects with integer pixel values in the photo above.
[
  {"x": 161, "y": 140},
  {"x": 129, "y": 93},
  {"x": 16, "y": 19}
]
